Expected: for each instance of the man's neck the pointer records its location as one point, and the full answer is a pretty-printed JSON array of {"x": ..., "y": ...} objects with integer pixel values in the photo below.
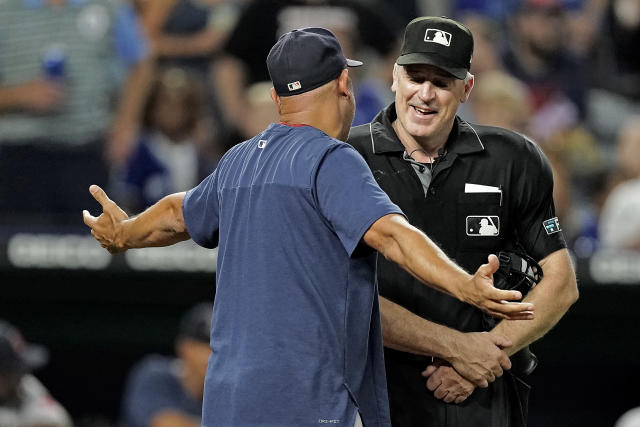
[
  {"x": 313, "y": 118},
  {"x": 423, "y": 150}
]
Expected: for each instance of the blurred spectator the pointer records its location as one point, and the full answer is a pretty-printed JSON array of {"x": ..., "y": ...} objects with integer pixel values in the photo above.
[
  {"x": 616, "y": 63},
  {"x": 24, "y": 401},
  {"x": 163, "y": 391},
  {"x": 260, "y": 109},
  {"x": 187, "y": 33},
  {"x": 538, "y": 56},
  {"x": 615, "y": 69},
  {"x": 263, "y": 21},
  {"x": 167, "y": 156},
  {"x": 501, "y": 100},
  {"x": 373, "y": 86},
  {"x": 487, "y": 39},
  {"x": 58, "y": 81},
  {"x": 498, "y": 10},
  {"x": 620, "y": 219}
]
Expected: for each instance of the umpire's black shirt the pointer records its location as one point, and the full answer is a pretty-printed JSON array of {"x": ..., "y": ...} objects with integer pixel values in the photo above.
[{"x": 491, "y": 189}]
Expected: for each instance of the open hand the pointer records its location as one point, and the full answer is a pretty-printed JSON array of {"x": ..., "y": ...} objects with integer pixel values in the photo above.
[
  {"x": 499, "y": 303},
  {"x": 106, "y": 227}
]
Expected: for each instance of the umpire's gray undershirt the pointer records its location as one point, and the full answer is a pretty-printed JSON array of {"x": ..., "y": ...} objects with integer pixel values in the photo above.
[{"x": 422, "y": 169}]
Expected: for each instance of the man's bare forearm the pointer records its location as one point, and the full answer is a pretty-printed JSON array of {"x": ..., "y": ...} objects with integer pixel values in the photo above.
[
  {"x": 405, "y": 331},
  {"x": 411, "y": 249},
  {"x": 160, "y": 225},
  {"x": 405, "y": 245}
]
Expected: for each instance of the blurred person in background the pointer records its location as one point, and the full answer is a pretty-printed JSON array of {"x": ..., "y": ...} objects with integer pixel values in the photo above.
[
  {"x": 487, "y": 41},
  {"x": 358, "y": 27},
  {"x": 171, "y": 151},
  {"x": 167, "y": 392},
  {"x": 501, "y": 100},
  {"x": 620, "y": 217},
  {"x": 190, "y": 34},
  {"x": 614, "y": 69},
  {"x": 538, "y": 56},
  {"x": 260, "y": 111},
  {"x": 187, "y": 33},
  {"x": 24, "y": 401},
  {"x": 63, "y": 105}
]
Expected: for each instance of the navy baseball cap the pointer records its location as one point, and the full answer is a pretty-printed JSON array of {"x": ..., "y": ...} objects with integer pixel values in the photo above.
[
  {"x": 305, "y": 59},
  {"x": 195, "y": 323},
  {"x": 16, "y": 355},
  {"x": 438, "y": 41}
]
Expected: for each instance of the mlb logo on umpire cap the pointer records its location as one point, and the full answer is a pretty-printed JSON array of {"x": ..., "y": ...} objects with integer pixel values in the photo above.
[{"x": 434, "y": 35}]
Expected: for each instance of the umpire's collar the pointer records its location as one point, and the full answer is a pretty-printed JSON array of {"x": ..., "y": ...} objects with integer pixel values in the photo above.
[{"x": 463, "y": 139}]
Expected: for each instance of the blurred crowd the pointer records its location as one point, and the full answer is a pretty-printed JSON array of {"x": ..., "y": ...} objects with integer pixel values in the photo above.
[{"x": 143, "y": 97}]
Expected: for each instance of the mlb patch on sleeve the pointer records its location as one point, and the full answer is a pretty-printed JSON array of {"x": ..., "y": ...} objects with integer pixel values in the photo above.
[{"x": 552, "y": 225}]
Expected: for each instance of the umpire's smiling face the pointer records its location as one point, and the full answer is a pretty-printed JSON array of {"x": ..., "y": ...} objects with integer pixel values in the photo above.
[{"x": 427, "y": 100}]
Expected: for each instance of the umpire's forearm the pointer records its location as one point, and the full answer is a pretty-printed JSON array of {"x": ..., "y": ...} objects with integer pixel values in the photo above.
[
  {"x": 552, "y": 297},
  {"x": 405, "y": 331}
]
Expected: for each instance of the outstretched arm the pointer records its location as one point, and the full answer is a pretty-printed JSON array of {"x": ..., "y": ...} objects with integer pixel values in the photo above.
[
  {"x": 404, "y": 244},
  {"x": 160, "y": 225}
]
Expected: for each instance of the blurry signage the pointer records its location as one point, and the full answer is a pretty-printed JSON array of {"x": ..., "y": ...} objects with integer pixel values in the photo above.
[
  {"x": 615, "y": 267},
  {"x": 75, "y": 251}
]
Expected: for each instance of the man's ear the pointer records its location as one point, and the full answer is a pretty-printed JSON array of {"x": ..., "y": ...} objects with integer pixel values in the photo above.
[
  {"x": 394, "y": 85},
  {"x": 276, "y": 99},
  {"x": 343, "y": 83},
  {"x": 467, "y": 88}
]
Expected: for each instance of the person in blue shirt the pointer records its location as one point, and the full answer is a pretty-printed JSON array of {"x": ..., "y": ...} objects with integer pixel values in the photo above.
[
  {"x": 296, "y": 215},
  {"x": 167, "y": 391}
]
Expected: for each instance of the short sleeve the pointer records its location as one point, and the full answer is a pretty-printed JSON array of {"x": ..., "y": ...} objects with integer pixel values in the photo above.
[
  {"x": 539, "y": 230},
  {"x": 348, "y": 196},
  {"x": 201, "y": 211}
]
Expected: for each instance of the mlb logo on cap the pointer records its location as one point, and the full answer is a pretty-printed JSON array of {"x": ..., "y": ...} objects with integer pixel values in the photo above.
[
  {"x": 434, "y": 35},
  {"x": 294, "y": 86},
  {"x": 437, "y": 41}
]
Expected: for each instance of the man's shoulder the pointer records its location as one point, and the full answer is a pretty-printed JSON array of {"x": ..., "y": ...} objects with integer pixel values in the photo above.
[
  {"x": 155, "y": 366},
  {"x": 360, "y": 138},
  {"x": 505, "y": 140}
]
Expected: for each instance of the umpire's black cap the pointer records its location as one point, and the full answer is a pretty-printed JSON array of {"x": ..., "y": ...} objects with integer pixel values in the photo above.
[
  {"x": 16, "y": 355},
  {"x": 438, "y": 41},
  {"x": 305, "y": 59}
]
